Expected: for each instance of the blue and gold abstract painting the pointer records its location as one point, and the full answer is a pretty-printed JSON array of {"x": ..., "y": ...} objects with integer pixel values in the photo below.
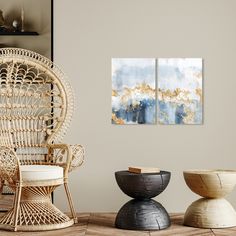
[
  {"x": 180, "y": 91},
  {"x": 133, "y": 91}
]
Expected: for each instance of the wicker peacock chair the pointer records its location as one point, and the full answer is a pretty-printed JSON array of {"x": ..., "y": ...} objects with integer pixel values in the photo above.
[{"x": 36, "y": 105}]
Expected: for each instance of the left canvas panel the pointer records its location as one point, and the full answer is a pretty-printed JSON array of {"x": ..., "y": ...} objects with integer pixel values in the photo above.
[{"x": 133, "y": 91}]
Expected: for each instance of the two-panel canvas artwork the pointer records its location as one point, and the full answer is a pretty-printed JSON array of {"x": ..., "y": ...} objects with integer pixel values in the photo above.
[{"x": 167, "y": 90}]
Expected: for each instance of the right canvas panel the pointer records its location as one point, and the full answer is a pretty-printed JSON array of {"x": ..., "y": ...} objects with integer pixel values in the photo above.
[{"x": 180, "y": 91}]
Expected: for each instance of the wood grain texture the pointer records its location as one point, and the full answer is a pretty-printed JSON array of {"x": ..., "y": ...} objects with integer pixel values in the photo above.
[
  {"x": 211, "y": 211},
  {"x": 178, "y": 229},
  {"x": 211, "y": 183},
  {"x": 224, "y": 232},
  {"x": 142, "y": 186},
  {"x": 142, "y": 170},
  {"x": 102, "y": 224},
  {"x": 142, "y": 215}
]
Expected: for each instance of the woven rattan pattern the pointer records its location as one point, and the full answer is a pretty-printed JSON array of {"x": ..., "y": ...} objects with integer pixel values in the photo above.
[{"x": 36, "y": 105}]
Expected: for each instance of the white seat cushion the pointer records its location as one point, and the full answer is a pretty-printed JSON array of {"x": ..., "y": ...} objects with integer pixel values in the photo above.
[{"x": 41, "y": 172}]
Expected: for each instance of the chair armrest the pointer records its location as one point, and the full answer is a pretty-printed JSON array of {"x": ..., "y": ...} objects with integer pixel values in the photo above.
[
  {"x": 78, "y": 153},
  {"x": 60, "y": 154},
  {"x": 67, "y": 156}
]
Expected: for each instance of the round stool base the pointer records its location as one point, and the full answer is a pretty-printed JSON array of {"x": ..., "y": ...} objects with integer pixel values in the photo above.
[
  {"x": 142, "y": 215},
  {"x": 210, "y": 213}
]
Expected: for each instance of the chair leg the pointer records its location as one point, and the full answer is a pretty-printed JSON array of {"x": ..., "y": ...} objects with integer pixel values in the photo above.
[
  {"x": 72, "y": 209},
  {"x": 17, "y": 205}
]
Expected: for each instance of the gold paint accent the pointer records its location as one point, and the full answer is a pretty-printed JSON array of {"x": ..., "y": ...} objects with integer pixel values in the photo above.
[
  {"x": 114, "y": 93},
  {"x": 117, "y": 121},
  {"x": 189, "y": 118},
  {"x": 199, "y": 93},
  {"x": 140, "y": 88},
  {"x": 177, "y": 95}
]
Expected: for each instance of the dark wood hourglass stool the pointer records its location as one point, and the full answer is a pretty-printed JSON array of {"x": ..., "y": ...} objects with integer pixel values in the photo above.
[{"x": 142, "y": 212}]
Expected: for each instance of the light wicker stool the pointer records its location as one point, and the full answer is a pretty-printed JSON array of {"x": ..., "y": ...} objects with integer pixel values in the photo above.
[{"x": 211, "y": 211}]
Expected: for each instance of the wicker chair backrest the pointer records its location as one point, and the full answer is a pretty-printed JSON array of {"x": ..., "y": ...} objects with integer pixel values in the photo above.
[{"x": 36, "y": 101}]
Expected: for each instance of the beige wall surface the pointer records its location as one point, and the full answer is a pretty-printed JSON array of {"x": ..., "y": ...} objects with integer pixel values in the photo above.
[
  {"x": 37, "y": 18},
  {"x": 88, "y": 33}
]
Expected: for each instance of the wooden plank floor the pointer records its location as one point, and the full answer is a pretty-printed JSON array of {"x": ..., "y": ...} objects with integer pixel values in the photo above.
[
  {"x": 5, "y": 202},
  {"x": 102, "y": 224}
]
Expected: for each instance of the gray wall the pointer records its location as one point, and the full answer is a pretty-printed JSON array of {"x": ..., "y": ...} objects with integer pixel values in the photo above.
[{"x": 88, "y": 33}]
